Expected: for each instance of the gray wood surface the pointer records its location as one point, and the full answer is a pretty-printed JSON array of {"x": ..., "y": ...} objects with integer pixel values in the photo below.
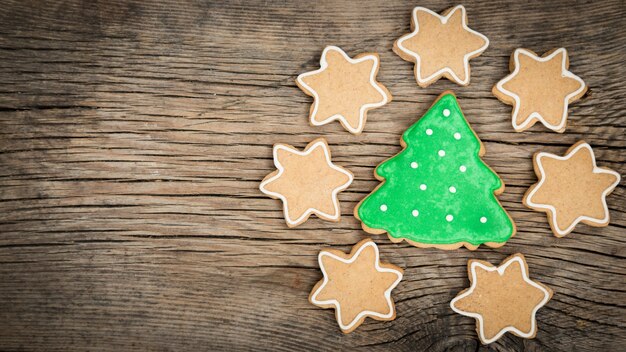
[{"x": 134, "y": 135}]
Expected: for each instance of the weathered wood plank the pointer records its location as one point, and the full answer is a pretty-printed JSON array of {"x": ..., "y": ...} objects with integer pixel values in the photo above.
[{"x": 133, "y": 137}]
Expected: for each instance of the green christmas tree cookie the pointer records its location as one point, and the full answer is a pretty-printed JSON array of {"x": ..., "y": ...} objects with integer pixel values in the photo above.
[{"x": 437, "y": 192}]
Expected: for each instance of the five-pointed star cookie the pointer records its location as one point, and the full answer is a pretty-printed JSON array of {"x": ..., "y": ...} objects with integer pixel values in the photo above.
[
  {"x": 540, "y": 89},
  {"x": 307, "y": 182},
  {"x": 571, "y": 189},
  {"x": 357, "y": 285},
  {"x": 502, "y": 299},
  {"x": 440, "y": 45},
  {"x": 344, "y": 89}
]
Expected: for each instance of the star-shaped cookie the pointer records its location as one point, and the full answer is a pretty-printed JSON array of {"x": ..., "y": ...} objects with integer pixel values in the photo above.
[
  {"x": 502, "y": 299},
  {"x": 540, "y": 89},
  {"x": 440, "y": 45},
  {"x": 571, "y": 189},
  {"x": 307, "y": 182},
  {"x": 357, "y": 285},
  {"x": 344, "y": 89}
]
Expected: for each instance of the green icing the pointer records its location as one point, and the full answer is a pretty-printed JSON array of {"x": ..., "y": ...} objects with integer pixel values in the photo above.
[{"x": 438, "y": 214}]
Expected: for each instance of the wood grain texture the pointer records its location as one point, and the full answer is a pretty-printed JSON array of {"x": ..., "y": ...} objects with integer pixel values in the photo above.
[{"x": 134, "y": 135}]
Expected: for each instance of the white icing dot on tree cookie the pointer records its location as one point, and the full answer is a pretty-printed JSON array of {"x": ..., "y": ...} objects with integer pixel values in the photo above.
[
  {"x": 383, "y": 207},
  {"x": 446, "y": 112},
  {"x": 462, "y": 168},
  {"x": 415, "y": 212},
  {"x": 442, "y": 153},
  {"x": 429, "y": 132},
  {"x": 423, "y": 187},
  {"x": 483, "y": 219},
  {"x": 457, "y": 136},
  {"x": 449, "y": 217},
  {"x": 414, "y": 165},
  {"x": 452, "y": 189}
]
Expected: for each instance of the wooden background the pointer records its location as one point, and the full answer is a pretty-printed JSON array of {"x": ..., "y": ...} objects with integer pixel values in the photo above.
[{"x": 134, "y": 135}]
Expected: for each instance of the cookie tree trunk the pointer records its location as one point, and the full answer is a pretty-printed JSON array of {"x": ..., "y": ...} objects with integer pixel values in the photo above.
[{"x": 437, "y": 191}]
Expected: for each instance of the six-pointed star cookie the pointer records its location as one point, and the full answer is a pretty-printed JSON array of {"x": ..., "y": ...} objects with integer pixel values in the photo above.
[
  {"x": 440, "y": 45},
  {"x": 502, "y": 299},
  {"x": 571, "y": 189},
  {"x": 540, "y": 89},
  {"x": 307, "y": 182},
  {"x": 344, "y": 89},
  {"x": 357, "y": 285}
]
